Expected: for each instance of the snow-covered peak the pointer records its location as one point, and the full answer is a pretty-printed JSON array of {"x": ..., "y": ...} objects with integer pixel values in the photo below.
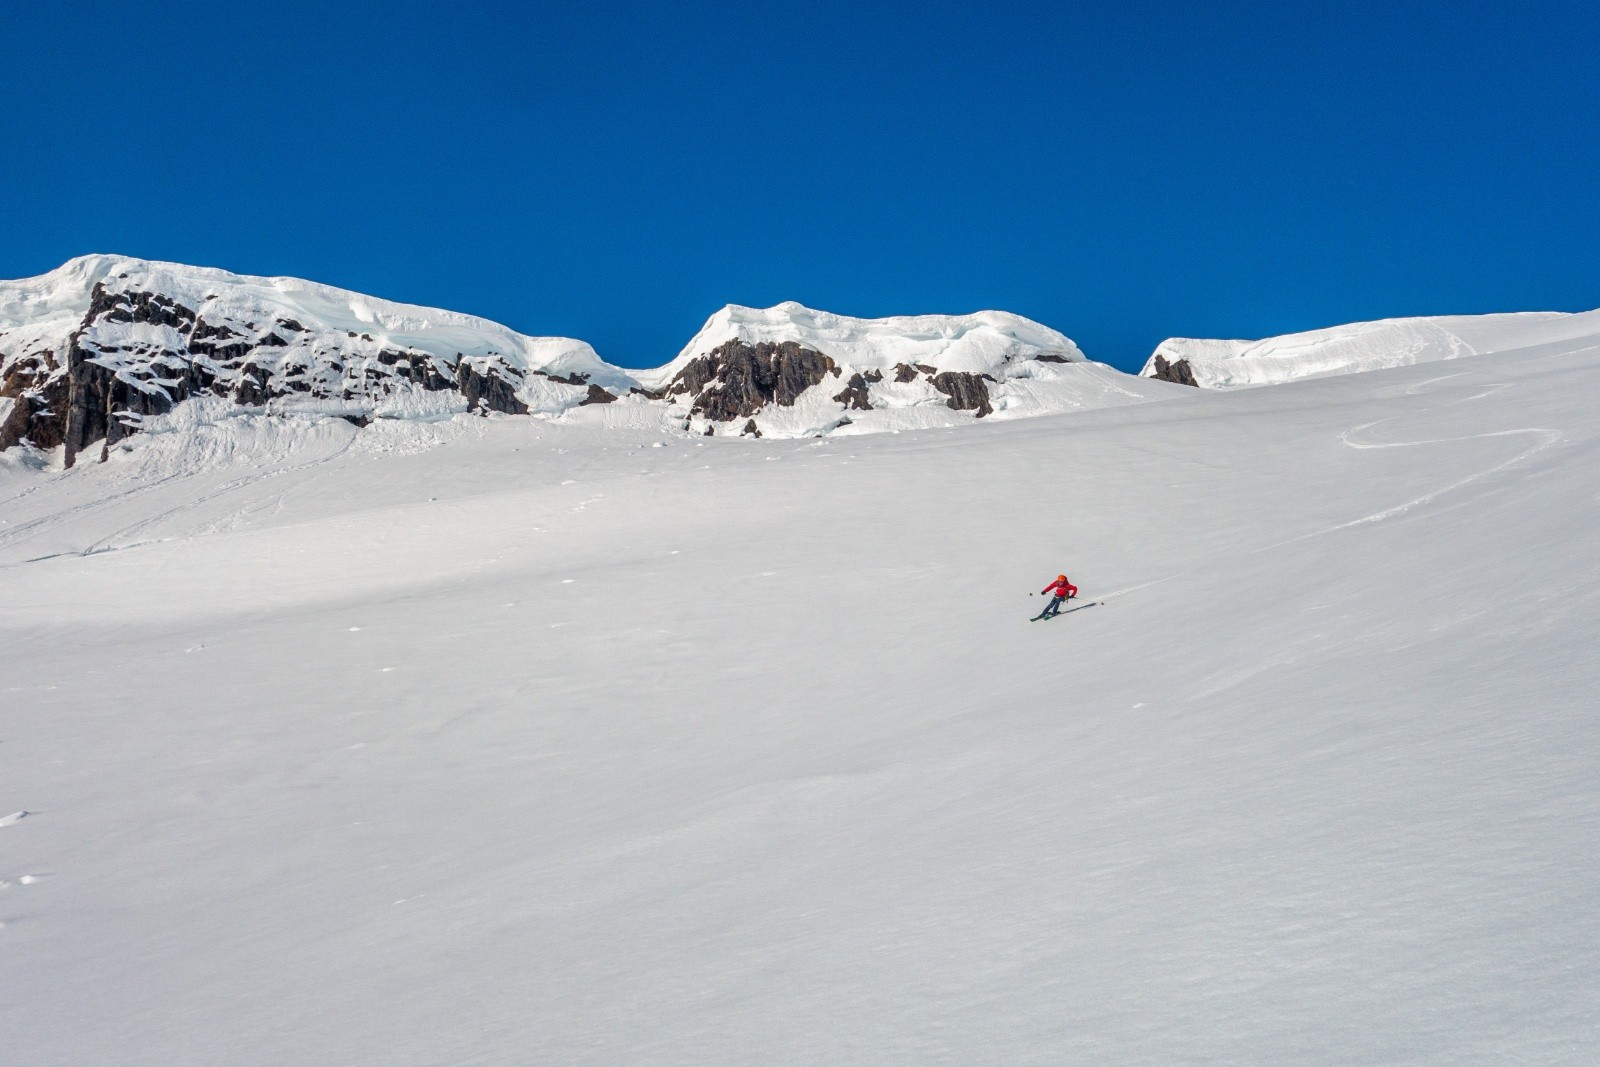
[
  {"x": 1363, "y": 346},
  {"x": 61, "y": 298},
  {"x": 34, "y": 312},
  {"x": 977, "y": 343}
]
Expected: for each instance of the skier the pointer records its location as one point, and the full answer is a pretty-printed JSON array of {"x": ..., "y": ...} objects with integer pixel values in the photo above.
[{"x": 1063, "y": 590}]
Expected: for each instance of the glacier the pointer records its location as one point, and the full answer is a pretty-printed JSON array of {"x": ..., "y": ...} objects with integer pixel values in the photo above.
[{"x": 507, "y": 740}]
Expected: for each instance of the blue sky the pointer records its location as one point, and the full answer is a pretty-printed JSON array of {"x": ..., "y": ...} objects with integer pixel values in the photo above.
[{"x": 616, "y": 172}]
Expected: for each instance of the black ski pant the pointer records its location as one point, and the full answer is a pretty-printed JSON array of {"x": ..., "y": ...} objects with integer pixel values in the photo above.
[{"x": 1055, "y": 605}]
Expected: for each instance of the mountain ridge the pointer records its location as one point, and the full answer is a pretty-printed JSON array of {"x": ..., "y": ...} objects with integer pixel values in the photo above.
[{"x": 94, "y": 350}]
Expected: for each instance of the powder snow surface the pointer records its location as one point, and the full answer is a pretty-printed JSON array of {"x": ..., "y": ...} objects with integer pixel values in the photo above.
[
  {"x": 1364, "y": 346},
  {"x": 502, "y": 741}
]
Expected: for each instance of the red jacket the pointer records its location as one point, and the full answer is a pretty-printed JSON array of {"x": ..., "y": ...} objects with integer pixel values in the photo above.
[{"x": 1061, "y": 588}]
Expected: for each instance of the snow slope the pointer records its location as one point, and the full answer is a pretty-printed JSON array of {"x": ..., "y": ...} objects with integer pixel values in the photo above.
[
  {"x": 1364, "y": 346},
  {"x": 502, "y": 741}
]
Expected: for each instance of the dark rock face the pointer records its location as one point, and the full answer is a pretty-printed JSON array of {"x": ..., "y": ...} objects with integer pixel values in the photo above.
[
  {"x": 596, "y": 395},
  {"x": 153, "y": 308},
  {"x": 1051, "y": 357},
  {"x": 490, "y": 390},
  {"x": 37, "y": 385},
  {"x": 1178, "y": 371},
  {"x": 904, "y": 372},
  {"x": 105, "y": 403},
  {"x": 736, "y": 380},
  {"x": 252, "y": 389},
  {"x": 106, "y": 406},
  {"x": 855, "y": 395},
  {"x": 424, "y": 370},
  {"x": 750, "y": 429},
  {"x": 966, "y": 391},
  {"x": 14, "y": 426}
]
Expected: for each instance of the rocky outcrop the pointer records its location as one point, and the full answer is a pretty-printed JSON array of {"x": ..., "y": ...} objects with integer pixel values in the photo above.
[
  {"x": 489, "y": 388},
  {"x": 37, "y": 390},
  {"x": 138, "y": 353},
  {"x": 105, "y": 407},
  {"x": 855, "y": 396},
  {"x": 93, "y": 350},
  {"x": 108, "y": 305},
  {"x": 736, "y": 380},
  {"x": 967, "y": 392},
  {"x": 13, "y": 421},
  {"x": 1177, "y": 371},
  {"x": 111, "y": 386},
  {"x": 564, "y": 379}
]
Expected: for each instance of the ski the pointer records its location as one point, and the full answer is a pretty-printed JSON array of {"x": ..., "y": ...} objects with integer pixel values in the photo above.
[{"x": 1069, "y": 611}]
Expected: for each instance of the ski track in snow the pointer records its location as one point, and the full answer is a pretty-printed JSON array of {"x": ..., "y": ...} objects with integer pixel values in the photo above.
[
  {"x": 14, "y": 535},
  {"x": 247, "y": 482},
  {"x": 1546, "y": 438}
]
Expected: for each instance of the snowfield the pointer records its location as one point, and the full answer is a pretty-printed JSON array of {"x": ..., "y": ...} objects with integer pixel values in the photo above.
[
  {"x": 1365, "y": 346},
  {"x": 503, "y": 741}
]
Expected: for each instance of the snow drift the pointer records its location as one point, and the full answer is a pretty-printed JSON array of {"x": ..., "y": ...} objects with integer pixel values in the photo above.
[{"x": 1360, "y": 346}]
